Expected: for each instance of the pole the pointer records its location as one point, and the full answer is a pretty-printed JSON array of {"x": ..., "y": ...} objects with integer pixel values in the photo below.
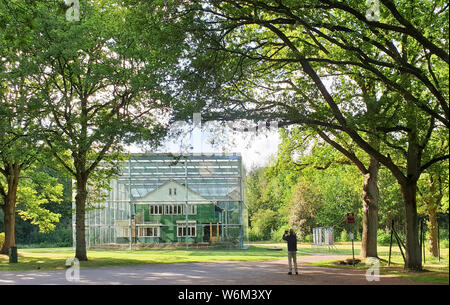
[
  {"x": 423, "y": 242},
  {"x": 439, "y": 244},
  {"x": 399, "y": 243},
  {"x": 421, "y": 238},
  {"x": 186, "y": 196},
  {"x": 390, "y": 243},
  {"x": 130, "y": 223},
  {"x": 241, "y": 209},
  {"x": 353, "y": 250}
]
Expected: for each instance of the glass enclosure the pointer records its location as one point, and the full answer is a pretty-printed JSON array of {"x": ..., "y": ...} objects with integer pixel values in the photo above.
[{"x": 163, "y": 199}]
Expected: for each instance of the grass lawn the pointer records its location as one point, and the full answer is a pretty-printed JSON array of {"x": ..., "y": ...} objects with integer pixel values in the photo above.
[
  {"x": 55, "y": 258},
  {"x": 435, "y": 270}
]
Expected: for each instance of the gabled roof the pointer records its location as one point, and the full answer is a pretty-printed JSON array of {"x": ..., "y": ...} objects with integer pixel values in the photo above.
[{"x": 161, "y": 193}]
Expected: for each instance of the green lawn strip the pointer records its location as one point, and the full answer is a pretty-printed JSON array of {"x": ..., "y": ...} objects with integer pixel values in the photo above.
[
  {"x": 54, "y": 259},
  {"x": 430, "y": 274}
]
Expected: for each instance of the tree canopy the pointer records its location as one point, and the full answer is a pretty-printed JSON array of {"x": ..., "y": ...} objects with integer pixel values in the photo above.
[{"x": 292, "y": 61}]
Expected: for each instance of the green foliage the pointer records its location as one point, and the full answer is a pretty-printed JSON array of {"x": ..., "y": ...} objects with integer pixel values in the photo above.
[
  {"x": 389, "y": 94},
  {"x": 256, "y": 185},
  {"x": 344, "y": 236},
  {"x": 308, "y": 238},
  {"x": 252, "y": 236},
  {"x": 34, "y": 195},
  {"x": 444, "y": 239},
  {"x": 263, "y": 223},
  {"x": 390, "y": 204},
  {"x": 384, "y": 237},
  {"x": 2, "y": 239},
  {"x": 283, "y": 197},
  {"x": 304, "y": 207},
  {"x": 278, "y": 234},
  {"x": 59, "y": 237},
  {"x": 97, "y": 85}
]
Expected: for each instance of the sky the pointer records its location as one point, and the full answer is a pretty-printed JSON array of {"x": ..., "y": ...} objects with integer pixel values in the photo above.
[{"x": 256, "y": 148}]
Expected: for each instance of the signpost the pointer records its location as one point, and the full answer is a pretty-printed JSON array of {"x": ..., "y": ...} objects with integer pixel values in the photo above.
[{"x": 351, "y": 220}]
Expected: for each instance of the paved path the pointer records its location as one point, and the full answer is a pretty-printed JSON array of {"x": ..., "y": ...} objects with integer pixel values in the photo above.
[{"x": 207, "y": 273}]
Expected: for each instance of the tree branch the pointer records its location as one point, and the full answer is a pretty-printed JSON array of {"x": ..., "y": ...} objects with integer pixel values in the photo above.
[
  {"x": 351, "y": 156},
  {"x": 433, "y": 161}
]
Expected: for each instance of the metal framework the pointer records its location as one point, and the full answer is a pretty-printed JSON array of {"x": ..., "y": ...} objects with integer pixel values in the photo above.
[
  {"x": 163, "y": 199},
  {"x": 323, "y": 236}
]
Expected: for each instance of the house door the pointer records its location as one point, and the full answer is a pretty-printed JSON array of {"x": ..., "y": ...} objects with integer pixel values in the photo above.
[
  {"x": 206, "y": 234},
  {"x": 211, "y": 232}
]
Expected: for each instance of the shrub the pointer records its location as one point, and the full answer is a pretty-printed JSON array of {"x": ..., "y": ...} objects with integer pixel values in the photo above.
[
  {"x": 278, "y": 234},
  {"x": 344, "y": 236},
  {"x": 264, "y": 222},
  {"x": 383, "y": 237},
  {"x": 2, "y": 239},
  {"x": 443, "y": 236},
  {"x": 308, "y": 238},
  {"x": 254, "y": 236}
]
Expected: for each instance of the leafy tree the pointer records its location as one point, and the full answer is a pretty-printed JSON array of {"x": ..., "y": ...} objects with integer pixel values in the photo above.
[
  {"x": 103, "y": 81},
  {"x": 35, "y": 192},
  {"x": 340, "y": 151},
  {"x": 61, "y": 235},
  {"x": 23, "y": 189},
  {"x": 256, "y": 184},
  {"x": 432, "y": 190},
  {"x": 268, "y": 60},
  {"x": 304, "y": 207},
  {"x": 264, "y": 222}
]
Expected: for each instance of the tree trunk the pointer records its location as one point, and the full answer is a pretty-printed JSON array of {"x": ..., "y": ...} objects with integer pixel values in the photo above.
[
  {"x": 80, "y": 216},
  {"x": 432, "y": 202},
  {"x": 370, "y": 211},
  {"x": 413, "y": 254},
  {"x": 9, "y": 208},
  {"x": 433, "y": 225},
  {"x": 9, "y": 212}
]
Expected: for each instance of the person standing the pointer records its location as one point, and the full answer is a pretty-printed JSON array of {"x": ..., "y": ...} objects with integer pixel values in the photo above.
[{"x": 291, "y": 239}]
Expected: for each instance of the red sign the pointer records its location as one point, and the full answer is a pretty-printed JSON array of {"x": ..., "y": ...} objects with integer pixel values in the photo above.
[{"x": 350, "y": 218}]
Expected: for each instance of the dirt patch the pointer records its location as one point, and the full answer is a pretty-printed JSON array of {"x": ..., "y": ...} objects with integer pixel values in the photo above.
[{"x": 348, "y": 261}]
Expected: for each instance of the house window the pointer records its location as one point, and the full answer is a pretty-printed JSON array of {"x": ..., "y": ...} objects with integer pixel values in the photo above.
[
  {"x": 174, "y": 209},
  {"x": 155, "y": 209},
  {"x": 148, "y": 232},
  {"x": 192, "y": 209},
  {"x": 174, "y": 191},
  {"x": 170, "y": 192},
  {"x": 191, "y": 230},
  {"x": 122, "y": 232}
]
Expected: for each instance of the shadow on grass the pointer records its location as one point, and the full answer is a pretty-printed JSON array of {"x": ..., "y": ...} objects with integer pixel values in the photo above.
[
  {"x": 427, "y": 275},
  {"x": 55, "y": 259}
]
